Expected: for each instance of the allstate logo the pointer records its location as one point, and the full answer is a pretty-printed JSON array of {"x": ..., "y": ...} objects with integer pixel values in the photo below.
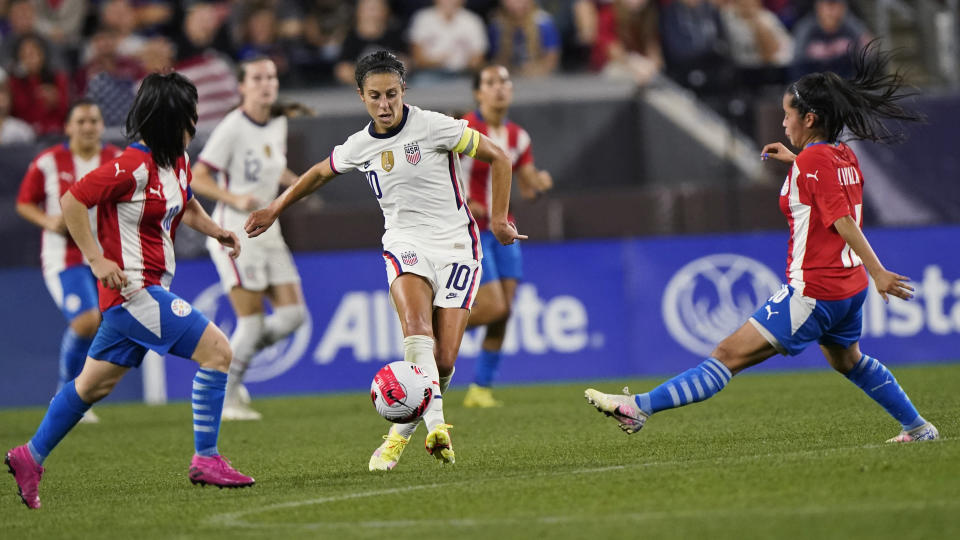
[
  {"x": 268, "y": 363},
  {"x": 710, "y": 297}
]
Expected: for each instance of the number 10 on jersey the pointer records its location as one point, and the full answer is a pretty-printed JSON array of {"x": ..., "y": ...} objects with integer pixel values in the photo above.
[{"x": 374, "y": 182}]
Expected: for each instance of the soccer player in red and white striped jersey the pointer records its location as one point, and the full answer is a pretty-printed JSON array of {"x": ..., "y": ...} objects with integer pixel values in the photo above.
[
  {"x": 828, "y": 258},
  {"x": 141, "y": 198},
  {"x": 66, "y": 274},
  {"x": 502, "y": 265}
]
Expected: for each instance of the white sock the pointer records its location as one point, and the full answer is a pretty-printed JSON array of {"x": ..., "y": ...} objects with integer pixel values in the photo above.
[
  {"x": 244, "y": 344},
  {"x": 282, "y": 322},
  {"x": 419, "y": 350}
]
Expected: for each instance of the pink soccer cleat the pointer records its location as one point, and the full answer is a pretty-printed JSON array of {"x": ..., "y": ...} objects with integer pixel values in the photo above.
[
  {"x": 216, "y": 471},
  {"x": 27, "y": 474}
]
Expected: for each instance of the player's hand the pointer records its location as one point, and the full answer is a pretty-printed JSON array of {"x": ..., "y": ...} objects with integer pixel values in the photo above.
[
  {"x": 245, "y": 203},
  {"x": 544, "y": 181},
  {"x": 57, "y": 225},
  {"x": 506, "y": 232},
  {"x": 476, "y": 209},
  {"x": 109, "y": 273},
  {"x": 889, "y": 283},
  {"x": 228, "y": 239},
  {"x": 778, "y": 152},
  {"x": 259, "y": 221}
]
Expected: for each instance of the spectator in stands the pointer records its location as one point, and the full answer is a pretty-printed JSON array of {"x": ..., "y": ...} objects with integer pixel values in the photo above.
[
  {"x": 372, "y": 32},
  {"x": 60, "y": 21},
  {"x": 12, "y": 130},
  {"x": 626, "y": 40},
  {"x": 21, "y": 20},
  {"x": 40, "y": 92},
  {"x": 757, "y": 37},
  {"x": 446, "y": 40},
  {"x": 156, "y": 17},
  {"x": 826, "y": 39},
  {"x": 695, "y": 46},
  {"x": 259, "y": 36},
  {"x": 157, "y": 55},
  {"x": 524, "y": 39},
  {"x": 109, "y": 79},
  {"x": 205, "y": 66},
  {"x": 324, "y": 28},
  {"x": 120, "y": 16}
]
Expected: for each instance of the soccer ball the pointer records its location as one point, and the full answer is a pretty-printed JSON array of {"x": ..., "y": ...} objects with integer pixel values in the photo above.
[{"x": 401, "y": 392}]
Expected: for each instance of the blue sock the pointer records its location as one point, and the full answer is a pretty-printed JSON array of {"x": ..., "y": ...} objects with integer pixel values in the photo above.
[
  {"x": 693, "y": 385},
  {"x": 876, "y": 380},
  {"x": 487, "y": 365},
  {"x": 73, "y": 354},
  {"x": 209, "y": 387},
  {"x": 66, "y": 409}
]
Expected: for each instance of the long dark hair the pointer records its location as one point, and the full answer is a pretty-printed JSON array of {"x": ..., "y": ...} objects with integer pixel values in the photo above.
[
  {"x": 165, "y": 108},
  {"x": 859, "y": 104},
  {"x": 379, "y": 62}
]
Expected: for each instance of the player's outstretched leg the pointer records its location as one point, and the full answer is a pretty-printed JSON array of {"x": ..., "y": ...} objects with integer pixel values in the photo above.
[
  {"x": 244, "y": 343},
  {"x": 877, "y": 382},
  {"x": 387, "y": 455},
  {"x": 207, "y": 465},
  {"x": 695, "y": 384}
]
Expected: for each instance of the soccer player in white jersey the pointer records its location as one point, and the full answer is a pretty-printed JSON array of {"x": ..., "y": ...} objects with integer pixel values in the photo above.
[
  {"x": 68, "y": 277},
  {"x": 828, "y": 254},
  {"x": 502, "y": 265},
  {"x": 248, "y": 152},
  {"x": 431, "y": 245},
  {"x": 141, "y": 197}
]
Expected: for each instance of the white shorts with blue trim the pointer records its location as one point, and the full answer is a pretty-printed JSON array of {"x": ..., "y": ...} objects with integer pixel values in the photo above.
[{"x": 453, "y": 276}]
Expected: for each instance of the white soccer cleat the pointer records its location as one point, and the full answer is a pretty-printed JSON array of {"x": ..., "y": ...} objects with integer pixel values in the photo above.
[
  {"x": 239, "y": 411},
  {"x": 926, "y": 432},
  {"x": 622, "y": 408},
  {"x": 386, "y": 456},
  {"x": 243, "y": 395},
  {"x": 90, "y": 417}
]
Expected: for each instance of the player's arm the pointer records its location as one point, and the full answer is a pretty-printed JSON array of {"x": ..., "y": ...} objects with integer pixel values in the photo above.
[
  {"x": 205, "y": 186},
  {"x": 479, "y": 146},
  {"x": 887, "y": 282},
  {"x": 532, "y": 181},
  {"x": 78, "y": 223},
  {"x": 778, "y": 152},
  {"x": 310, "y": 181},
  {"x": 195, "y": 217},
  {"x": 35, "y": 215},
  {"x": 288, "y": 178}
]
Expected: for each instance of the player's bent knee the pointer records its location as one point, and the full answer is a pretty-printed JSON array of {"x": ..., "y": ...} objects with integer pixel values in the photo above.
[{"x": 213, "y": 351}]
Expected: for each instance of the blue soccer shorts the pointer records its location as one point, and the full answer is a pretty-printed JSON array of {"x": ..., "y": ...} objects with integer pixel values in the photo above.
[
  {"x": 499, "y": 261},
  {"x": 153, "y": 318},
  {"x": 791, "y": 322},
  {"x": 74, "y": 290}
]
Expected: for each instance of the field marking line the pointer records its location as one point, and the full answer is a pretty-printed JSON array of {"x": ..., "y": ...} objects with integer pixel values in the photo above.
[{"x": 237, "y": 518}]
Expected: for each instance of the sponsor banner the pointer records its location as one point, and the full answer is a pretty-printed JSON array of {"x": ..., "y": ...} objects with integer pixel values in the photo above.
[{"x": 602, "y": 309}]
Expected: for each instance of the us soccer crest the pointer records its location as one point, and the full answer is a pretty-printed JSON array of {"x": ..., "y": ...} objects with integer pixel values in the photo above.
[
  {"x": 412, "y": 152},
  {"x": 386, "y": 160},
  {"x": 409, "y": 258}
]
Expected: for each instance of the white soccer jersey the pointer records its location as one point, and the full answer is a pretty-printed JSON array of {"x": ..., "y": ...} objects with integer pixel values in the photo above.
[
  {"x": 415, "y": 175},
  {"x": 250, "y": 159}
]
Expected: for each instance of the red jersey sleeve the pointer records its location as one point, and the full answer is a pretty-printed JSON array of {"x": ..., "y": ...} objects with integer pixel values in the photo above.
[
  {"x": 103, "y": 184},
  {"x": 31, "y": 187},
  {"x": 821, "y": 173}
]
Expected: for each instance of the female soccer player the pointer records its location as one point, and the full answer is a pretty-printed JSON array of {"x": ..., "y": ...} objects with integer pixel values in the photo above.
[
  {"x": 431, "y": 245},
  {"x": 141, "y": 198},
  {"x": 493, "y": 90},
  {"x": 68, "y": 278},
  {"x": 822, "y": 302},
  {"x": 248, "y": 148}
]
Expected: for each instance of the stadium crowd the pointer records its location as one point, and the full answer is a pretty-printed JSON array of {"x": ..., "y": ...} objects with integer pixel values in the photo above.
[{"x": 53, "y": 52}]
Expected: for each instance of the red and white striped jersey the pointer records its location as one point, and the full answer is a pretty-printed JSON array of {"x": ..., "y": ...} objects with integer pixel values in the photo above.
[
  {"x": 49, "y": 176},
  {"x": 138, "y": 210},
  {"x": 824, "y": 185},
  {"x": 514, "y": 140}
]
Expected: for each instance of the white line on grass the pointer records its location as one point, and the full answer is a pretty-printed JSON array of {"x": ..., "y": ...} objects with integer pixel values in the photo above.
[{"x": 237, "y": 519}]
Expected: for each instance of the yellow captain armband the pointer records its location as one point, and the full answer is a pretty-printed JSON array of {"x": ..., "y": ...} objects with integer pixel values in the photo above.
[{"x": 468, "y": 143}]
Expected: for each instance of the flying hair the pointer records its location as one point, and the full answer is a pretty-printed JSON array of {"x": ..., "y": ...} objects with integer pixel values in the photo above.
[
  {"x": 379, "y": 62},
  {"x": 163, "y": 111},
  {"x": 858, "y": 105}
]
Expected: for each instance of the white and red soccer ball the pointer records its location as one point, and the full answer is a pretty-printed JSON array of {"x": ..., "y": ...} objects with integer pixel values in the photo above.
[{"x": 401, "y": 392}]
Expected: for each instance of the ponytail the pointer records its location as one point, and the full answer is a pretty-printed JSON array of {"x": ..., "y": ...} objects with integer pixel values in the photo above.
[{"x": 860, "y": 104}]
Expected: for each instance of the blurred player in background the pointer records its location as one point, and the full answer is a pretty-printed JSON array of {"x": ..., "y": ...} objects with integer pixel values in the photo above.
[
  {"x": 67, "y": 275},
  {"x": 249, "y": 151},
  {"x": 502, "y": 264},
  {"x": 141, "y": 198},
  {"x": 822, "y": 199},
  {"x": 431, "y": 245}
]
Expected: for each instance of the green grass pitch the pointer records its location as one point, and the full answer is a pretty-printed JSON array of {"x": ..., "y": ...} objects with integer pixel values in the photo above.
[{"x": 785, "y": 455}]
